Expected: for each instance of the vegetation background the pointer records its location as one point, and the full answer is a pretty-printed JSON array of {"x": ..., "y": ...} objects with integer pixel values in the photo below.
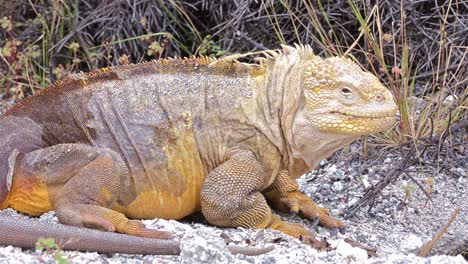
[{"x": 418, "y": 48}]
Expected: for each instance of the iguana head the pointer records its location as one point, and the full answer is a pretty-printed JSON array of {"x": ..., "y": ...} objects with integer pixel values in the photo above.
[
  {"x": 331, "y": 101},
  {"x": 340, "y": 98}
]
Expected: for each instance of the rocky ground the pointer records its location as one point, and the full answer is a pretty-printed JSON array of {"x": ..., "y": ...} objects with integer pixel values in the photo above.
[{"x": 400, "y": 221}]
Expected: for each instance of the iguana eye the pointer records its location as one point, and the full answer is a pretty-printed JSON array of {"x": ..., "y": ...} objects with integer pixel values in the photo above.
[{"x": 346, "y": 92}]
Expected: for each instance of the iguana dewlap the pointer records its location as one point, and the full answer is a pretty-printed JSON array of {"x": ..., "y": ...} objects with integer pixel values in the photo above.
[{"x": 168, "y": 138}]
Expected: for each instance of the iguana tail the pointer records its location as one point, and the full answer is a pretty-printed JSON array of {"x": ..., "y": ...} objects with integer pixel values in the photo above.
[{"x": 24, "y": 232}]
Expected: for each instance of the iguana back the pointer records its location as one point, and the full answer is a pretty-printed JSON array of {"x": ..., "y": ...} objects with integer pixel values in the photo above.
[{"x": 155, "y": 115}]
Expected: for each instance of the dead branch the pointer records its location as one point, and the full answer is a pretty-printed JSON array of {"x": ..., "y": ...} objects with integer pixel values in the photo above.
[
  {"x": 429, "y": 245},
  {"x": 371, "y": 194},
  {"x": 407, "y": 161},
  {"x": 370, "y": 251},
  {"x": 250, "y": 251}
]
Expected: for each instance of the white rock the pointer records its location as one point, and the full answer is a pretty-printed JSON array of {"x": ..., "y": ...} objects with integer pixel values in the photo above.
[
  {"x": 312, "y": 189},
  {"x": 410, "y": 244},
  {"x": 412, "y": 259},
  {"x": 353, "y": 201},
  {"x": 332, "y": 169},
  {"x": 462, "y": 172},
  {"x": 337, "y": 186},
  {"x": 365, "y": 181},
  {"x": 338, "y": 175},
  {"x": 200, "y": 247},
  {"x": 449, "y": 99},
  {"x": 462, "y": 181},
  {"x": 355, "y": 254},
  {"x": 443, "y": 259}
]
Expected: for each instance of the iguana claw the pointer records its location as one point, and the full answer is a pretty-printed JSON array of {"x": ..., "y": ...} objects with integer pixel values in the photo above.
[{"x": 292, "y": 201}]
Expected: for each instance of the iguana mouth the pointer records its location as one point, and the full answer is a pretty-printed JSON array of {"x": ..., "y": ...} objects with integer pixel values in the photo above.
[{"x": 365, "y": 115}]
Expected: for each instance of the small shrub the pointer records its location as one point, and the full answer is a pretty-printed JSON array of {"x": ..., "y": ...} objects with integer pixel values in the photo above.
[{"x": 49, "y": 246}]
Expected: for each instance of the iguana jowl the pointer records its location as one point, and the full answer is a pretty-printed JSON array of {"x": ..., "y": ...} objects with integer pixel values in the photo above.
[{"x": 169, "y": 138}]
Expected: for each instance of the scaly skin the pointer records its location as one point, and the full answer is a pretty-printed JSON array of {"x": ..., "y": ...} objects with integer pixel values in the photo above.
[
  {"x": 81, "y": 239},
  {"x": 172, "y": 137}
]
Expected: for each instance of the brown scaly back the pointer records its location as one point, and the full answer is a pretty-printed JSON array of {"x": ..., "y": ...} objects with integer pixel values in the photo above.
[
  {"x": 72, "y": 82},
  {"x": 223, "y": 66}
]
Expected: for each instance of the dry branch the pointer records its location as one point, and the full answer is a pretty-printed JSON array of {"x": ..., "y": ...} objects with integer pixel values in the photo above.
[
  {"x": 409, "y": 159},
  {"x": 429, "y": 245},
  {"x": 250, "y": 251}
]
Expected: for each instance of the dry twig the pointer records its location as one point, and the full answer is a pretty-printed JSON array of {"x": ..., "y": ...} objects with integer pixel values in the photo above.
[
  {"x": 250, "y": 251},
  {"x": 409, "y": 159},
  {"x": 429, "y": 245}
]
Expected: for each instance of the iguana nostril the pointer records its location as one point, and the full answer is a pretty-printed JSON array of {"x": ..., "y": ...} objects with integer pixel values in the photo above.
[{"x": 379, "y": 97}]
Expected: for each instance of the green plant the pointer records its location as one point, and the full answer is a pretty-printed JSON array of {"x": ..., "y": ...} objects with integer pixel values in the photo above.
[
  {"x": 50, "y": 247},
  {"x": 209, "y": 47}
]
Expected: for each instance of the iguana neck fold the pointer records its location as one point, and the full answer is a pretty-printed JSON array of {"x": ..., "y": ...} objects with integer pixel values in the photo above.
[{"x": 277, "y": 99}]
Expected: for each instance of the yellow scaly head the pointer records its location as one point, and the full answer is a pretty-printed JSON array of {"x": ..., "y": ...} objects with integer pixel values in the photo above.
[{"x": 341, "y": 98}]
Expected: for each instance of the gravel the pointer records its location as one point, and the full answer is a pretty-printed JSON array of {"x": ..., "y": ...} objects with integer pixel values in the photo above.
[{"x": 400, "y": 221}]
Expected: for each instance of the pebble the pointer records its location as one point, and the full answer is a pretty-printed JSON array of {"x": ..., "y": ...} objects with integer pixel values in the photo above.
[
  {"x": 323, "y": 162},
  {"x": 312, "y": 190},
  {"x": 355, "y": 254},
  {"x": 335, "y": 212},
  {"x": 332, "y": 169},
  {"x": 462, "y": 172},
  {"x": 389, "y": 231},
  {"x": 197, "y": 249},
  {"x": 338, "y": 175},
  {"x": 365, "y": 181},
  {"x": 325, "y": 189},
  {"x": 353, "y": 201},
  {"x": 462, "y": 180},
  {"x": 449, "y": 99},
  {"x": 410, "y": 244},
  {"x": 337, "y": 186},
  {"x": 413, "y": 259}
]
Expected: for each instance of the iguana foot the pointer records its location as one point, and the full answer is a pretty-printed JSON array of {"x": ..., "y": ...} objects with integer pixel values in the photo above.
[
  {"x": 97, "y": 217},
  {"x": 297, "y": 202},
  {"x": 297, "y": 231},
  {"x": 137, "y": 228},
  {"x": 292, "y": 229}
]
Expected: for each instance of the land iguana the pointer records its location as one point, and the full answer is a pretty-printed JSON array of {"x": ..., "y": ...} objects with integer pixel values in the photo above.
[{"x": 170, "y": 137}]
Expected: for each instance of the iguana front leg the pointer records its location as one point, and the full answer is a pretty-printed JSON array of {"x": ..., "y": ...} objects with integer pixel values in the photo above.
[
  {"x": 231, "y": 197},
  {"x": 283, "y": 195}
]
